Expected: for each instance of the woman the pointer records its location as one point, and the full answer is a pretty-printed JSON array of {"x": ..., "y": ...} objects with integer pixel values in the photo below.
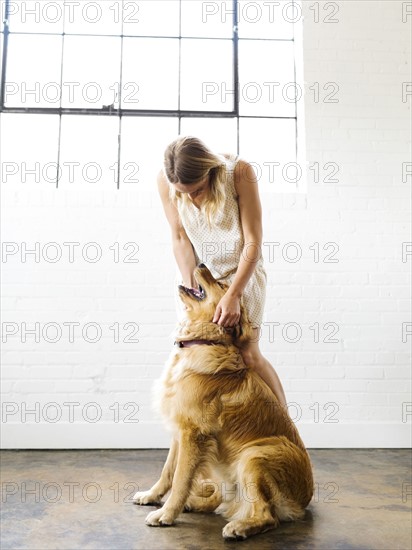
[{"x": 212, "y": 204}]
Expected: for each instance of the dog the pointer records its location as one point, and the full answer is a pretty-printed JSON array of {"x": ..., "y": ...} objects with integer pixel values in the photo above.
[{"x": 234, "y": 451}]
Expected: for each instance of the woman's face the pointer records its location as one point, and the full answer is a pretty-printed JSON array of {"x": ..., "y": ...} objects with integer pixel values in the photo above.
[{"x": 194, "y": 189}]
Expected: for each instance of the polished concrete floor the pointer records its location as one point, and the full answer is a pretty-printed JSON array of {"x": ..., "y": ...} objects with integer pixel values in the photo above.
[{"x": 82, "y": 499}]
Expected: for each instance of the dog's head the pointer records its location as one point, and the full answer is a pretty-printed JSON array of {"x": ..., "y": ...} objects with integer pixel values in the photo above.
[{"x": 200, "y": 309}]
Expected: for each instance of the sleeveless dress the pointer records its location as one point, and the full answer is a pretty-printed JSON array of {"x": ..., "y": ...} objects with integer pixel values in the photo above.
[{"x": 220, "y": 248}]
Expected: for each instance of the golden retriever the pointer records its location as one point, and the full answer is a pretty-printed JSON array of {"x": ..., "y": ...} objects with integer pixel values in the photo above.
[{"x": 234, "y": 451}]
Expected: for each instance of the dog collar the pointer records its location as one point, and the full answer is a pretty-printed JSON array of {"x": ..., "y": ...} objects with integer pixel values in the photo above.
[{"x": 189, "y": 343}]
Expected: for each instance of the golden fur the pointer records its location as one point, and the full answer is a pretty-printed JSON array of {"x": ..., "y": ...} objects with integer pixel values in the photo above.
[{"x": 234, "y": 450}]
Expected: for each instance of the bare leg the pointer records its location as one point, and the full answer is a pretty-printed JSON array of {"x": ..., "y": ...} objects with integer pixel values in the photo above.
[{"x": 252, "y": 356}]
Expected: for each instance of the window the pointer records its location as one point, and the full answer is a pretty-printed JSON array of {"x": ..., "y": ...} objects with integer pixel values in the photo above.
[{"x": 100, "y": 88}]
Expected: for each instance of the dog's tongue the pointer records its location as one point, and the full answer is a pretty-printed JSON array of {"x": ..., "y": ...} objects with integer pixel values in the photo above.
[{"x": 196, "y": 292}]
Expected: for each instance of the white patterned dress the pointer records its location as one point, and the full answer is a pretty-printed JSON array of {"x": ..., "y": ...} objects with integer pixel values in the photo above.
[{"x": 220, "y": 247}]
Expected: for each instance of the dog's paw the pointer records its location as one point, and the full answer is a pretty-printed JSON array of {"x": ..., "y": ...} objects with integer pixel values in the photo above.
[
  {"x": 234, "y": 530},
  {"x": 160, "y": 517},
  {"x": 146, "y": 497}
]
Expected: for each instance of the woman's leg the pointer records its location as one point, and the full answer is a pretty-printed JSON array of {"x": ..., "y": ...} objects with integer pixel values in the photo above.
[{"x": 253, "y": 357}]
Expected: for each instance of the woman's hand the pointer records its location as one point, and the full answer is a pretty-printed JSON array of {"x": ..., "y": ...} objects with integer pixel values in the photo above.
[{"x": 227, "y": 312}]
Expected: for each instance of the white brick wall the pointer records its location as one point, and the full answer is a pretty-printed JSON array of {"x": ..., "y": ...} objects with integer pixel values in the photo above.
[
  {"x": 366, "y": 53},
  {"x": 347, "y": 393}
]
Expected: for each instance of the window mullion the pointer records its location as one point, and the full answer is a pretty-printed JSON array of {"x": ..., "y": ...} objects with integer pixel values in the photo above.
[
  {"x": 5, "y": 47},
  {"x": 236, "y": 57}
]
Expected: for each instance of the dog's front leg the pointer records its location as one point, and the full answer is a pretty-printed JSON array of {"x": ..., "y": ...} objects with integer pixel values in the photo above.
[
  {"x": 160, "y": 488},
  {"x": 188, "y": 459}
]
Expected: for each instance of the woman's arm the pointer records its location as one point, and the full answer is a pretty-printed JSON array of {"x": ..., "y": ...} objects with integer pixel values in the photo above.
[
  {"x": 182, "y": 247},
  {"x": 228, "y": 310},
  {"x": 185, "y": 259},
  {"x": 251, "y": 219}
]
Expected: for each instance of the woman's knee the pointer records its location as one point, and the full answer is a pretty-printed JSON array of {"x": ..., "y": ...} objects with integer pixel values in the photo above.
[{"x": 251, "y": 355}]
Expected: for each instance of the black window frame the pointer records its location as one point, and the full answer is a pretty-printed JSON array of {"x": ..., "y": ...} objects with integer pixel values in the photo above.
[{"x": 121, "y": 112}]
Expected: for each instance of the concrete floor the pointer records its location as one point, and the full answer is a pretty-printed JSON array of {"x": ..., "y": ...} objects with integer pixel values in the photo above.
[{"x": 82, "y": 499}]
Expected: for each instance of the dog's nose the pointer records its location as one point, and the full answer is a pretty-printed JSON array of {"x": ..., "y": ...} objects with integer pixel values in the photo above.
[{"x": 201, "y": 265}]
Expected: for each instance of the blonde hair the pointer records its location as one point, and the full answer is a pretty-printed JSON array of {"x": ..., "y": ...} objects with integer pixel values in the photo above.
[{"x": 188, "y": 160}]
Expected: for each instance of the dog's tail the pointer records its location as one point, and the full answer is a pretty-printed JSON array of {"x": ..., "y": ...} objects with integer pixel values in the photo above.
[{"x": 205, "y": 496}]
